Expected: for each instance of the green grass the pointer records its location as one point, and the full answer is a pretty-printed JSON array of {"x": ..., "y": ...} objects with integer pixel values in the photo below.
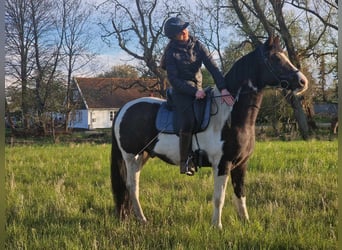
[{"x": 59, "y": 197}]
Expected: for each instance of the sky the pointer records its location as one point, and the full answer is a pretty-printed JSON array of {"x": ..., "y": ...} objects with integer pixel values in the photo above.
[
  {"x": 105, "y": 59},
  {"x": 106, "y": 56}
]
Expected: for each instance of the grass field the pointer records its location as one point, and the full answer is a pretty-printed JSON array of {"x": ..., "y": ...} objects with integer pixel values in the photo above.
[{"x": 59, "y": 197}]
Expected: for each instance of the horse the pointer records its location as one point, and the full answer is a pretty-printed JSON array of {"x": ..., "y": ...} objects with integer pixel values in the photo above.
[{"x": 228, "y": 140}]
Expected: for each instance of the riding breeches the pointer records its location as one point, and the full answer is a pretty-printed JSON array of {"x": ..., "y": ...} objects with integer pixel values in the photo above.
[{"x": 184, "y": 118}]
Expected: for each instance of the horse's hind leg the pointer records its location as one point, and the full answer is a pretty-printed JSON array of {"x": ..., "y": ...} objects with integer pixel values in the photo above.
[
  {"x": 134, "y": 166},
  {"x": 239, "y": 198}
]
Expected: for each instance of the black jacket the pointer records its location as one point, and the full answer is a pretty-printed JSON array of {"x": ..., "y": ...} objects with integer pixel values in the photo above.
[{"x": 183, "y": 61}]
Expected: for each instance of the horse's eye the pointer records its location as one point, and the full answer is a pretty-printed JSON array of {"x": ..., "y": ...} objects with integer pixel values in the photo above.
[{"x": 276, "y": 59}]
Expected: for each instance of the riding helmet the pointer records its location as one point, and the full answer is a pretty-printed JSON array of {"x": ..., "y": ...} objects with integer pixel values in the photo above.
[{"x": 173, "y": 26}]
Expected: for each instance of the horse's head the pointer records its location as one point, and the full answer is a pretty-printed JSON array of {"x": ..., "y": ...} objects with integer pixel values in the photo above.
[{"x": 278, "y": 69}]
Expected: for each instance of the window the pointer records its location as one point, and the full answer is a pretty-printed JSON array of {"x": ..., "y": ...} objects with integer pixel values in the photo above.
[
  {"x": 93, "y": 117},
  {"x": 76, "y": 116},
  {"x": 79, "y": 116}
]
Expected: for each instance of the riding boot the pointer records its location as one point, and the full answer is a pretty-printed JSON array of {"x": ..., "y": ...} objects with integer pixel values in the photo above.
[{"x": 185, "y": 140}]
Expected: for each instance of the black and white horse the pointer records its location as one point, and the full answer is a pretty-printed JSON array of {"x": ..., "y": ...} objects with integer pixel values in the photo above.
[{"x": 227, "y": 147}]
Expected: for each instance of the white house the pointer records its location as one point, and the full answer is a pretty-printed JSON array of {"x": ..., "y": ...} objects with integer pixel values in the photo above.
[{"x": 96, "y": 100}]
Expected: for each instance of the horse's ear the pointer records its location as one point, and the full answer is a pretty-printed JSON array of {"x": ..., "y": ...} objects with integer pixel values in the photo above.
[
  {"x": 269, "y": 42},
  {"x": 276, "y": 42},
  {"x": 273, "y": 42}
]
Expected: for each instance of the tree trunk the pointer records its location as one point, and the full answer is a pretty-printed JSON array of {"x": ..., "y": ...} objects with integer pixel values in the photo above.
[
  {"x": 299, "y": 114},
  {"x": 285, "y": 33}
]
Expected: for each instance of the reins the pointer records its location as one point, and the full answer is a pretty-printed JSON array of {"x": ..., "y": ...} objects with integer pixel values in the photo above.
[
  {"x": 283, "y": 84},
  {"x": 185, "y": 108}
]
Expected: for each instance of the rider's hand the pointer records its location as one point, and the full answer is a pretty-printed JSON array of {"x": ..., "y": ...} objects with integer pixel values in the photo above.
[
  {"x": 227, "y": 97},
  {"x": 200, "y": 94}
]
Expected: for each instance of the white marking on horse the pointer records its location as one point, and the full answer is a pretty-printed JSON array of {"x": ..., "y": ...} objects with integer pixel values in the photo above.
[
  {"x": 208, "y": 140},
  {"x": 133, "y": 178},
  {"x": 166, "y": 146},
  {"x": 133, "y": 163},
  {"x": 220, "y": 184},
  {"x": 287, "y": 60},
  {"x": 300, "y": 75},
  {"x": 241, "y": 207},
  {"x": 250, "y": 84}
]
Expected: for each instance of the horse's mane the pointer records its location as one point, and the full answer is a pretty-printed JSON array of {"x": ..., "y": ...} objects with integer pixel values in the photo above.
[{"x": 243, "y": 69}]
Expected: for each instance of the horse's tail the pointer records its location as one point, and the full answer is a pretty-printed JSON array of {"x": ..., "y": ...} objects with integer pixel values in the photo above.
[{"x": 118, "y": 179}]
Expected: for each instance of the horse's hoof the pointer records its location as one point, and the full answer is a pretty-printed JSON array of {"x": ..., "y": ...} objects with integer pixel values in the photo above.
[
  {"x": 190, "y": 173},
  {"x": 219, "y": 226},
  {"x": 143, "y": 221}
]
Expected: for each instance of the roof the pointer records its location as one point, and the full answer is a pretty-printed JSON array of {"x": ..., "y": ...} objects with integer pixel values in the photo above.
[{"x": 112, "y": 92}]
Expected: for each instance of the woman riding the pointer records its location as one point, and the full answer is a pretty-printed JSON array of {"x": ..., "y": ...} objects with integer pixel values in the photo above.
[{"x": 182, "y": 60}]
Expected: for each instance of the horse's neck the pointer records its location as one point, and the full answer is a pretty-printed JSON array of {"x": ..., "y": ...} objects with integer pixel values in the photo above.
[
  {"x": 220, "y": 110},
  {"x": 247, "y": 109},
  {"x": 243, "y": 71}
]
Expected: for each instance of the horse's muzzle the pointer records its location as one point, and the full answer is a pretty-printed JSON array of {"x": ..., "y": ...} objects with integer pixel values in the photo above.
[{"x": 302, "y": 84}]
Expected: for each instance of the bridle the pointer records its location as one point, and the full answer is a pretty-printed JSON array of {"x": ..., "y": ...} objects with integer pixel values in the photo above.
[{"x": 282, "y": 83}]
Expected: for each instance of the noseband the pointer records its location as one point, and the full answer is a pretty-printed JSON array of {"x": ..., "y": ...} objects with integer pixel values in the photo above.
[{"x": 282, "y": 83}]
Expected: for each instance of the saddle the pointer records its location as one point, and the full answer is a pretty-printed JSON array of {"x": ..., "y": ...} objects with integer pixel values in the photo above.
[{"x": 202, "y": 107}]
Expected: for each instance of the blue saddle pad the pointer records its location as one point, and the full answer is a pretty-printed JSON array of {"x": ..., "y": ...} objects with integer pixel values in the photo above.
[{"x": 164, "y": 120}]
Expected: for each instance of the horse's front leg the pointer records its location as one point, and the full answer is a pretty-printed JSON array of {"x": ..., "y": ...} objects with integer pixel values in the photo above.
[
  {"x": 239, "y": 198},
  {"x": 220, "y": 184},
  {"x": 134, "y": 166}
]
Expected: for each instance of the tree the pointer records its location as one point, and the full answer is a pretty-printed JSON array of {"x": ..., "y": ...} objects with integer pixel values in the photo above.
[
  {"x": 234, "y": 51},
  {"x": 209, "y": 23},
  {"x": 32, "y": 52},
  {"x": 75, "y": 51},
  {"x": 246, "y": 11},
  {"x": 121, "y": 71},
  {"x": 271, "y": 17},
  {"x": 40, "y": 36},
  {"x": 137, "y": 28},
  {"x": 19, "y": 55},
  {"x": 46, "y": 53},
  {"x": 321, "y": 36}
]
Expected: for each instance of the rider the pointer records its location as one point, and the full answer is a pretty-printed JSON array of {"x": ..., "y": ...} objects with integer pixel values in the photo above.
[{"x": 182, "y": 60}]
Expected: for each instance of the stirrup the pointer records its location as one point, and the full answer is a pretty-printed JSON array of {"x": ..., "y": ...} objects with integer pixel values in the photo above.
[
  {"x": 186, "y": 170},
  {"x": 190, "y": 171}
]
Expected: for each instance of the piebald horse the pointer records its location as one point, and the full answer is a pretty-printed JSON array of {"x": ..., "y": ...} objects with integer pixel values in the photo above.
[{"x": 227, "y": 146}]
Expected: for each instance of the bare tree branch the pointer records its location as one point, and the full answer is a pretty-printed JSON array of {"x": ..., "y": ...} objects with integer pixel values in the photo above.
[
  {"x": 325, "y": 21},
  {"x": 138, "y": 31},
  {"x": 245, "y": 24}
]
